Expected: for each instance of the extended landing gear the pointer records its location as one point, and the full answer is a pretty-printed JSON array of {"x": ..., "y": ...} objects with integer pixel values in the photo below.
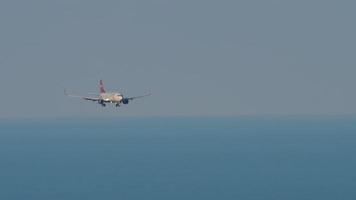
[
  {"x": 102, "y": 103},
  {"x": 117, "y": 105}
]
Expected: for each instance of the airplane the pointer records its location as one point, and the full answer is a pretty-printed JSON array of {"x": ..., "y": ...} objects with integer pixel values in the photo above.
[{"x": 107, "y": 97}]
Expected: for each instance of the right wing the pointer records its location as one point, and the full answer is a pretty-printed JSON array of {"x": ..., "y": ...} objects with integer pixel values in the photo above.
[{"x": 83, "y": 97}]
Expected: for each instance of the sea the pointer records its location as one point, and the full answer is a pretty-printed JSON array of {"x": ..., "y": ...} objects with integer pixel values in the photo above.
[{"x": 179, "y": 158}]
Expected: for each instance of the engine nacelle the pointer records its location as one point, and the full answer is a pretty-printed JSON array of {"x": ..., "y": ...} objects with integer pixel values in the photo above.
[{"x": 125, "y": 101}]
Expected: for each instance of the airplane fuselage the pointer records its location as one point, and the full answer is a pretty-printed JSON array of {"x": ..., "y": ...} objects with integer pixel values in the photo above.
[{"x": 111, "y": 97}]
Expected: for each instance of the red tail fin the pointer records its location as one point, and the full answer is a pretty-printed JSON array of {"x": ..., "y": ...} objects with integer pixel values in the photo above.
[{"x": 102, "y": 89}]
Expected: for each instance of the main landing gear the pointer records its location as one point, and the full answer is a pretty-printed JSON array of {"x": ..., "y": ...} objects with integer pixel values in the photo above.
[
  {"x": 102, "y": 103},
  {"x": 117, "y": 105}
]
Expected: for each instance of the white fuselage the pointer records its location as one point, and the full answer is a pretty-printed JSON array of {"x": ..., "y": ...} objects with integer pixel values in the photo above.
[{"x": 111, "y": 97}]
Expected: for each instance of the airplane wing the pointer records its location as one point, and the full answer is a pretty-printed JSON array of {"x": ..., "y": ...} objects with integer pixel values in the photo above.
[
  {"x": 132, "y": 98},
  {"x": 83, "y": 97}
]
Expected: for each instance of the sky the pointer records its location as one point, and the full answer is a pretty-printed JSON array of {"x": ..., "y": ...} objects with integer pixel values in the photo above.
[{"x": 197, "y": 57}]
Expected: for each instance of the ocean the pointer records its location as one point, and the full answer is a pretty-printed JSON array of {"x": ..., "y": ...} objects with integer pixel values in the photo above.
[{"x": 175, "y": 158}]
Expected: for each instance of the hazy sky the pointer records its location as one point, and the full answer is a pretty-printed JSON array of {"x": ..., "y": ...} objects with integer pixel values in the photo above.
[{"x": 197, "y": 57}]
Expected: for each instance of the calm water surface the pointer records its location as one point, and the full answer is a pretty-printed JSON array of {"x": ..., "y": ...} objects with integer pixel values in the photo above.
[{"x": 178, "y": 158}]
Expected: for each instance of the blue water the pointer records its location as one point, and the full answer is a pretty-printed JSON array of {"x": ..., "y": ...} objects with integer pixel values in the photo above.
[{"x": 179, "y": 158}]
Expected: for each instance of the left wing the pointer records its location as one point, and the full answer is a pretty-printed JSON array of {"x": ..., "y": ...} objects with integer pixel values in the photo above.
[{"x": 132, "y": 98}]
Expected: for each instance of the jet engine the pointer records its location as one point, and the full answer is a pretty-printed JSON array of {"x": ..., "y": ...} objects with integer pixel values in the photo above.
[{"x": 125, "y": 101}]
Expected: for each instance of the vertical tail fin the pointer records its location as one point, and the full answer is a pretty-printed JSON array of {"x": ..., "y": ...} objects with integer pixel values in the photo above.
[{"x": 102, "y": 89}]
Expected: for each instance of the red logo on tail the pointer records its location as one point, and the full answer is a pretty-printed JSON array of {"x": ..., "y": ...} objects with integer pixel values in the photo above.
[{"x": 102, "y": 89}]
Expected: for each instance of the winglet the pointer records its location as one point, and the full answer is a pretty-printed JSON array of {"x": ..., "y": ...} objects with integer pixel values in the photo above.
[{"x": 101, "y": 84}]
